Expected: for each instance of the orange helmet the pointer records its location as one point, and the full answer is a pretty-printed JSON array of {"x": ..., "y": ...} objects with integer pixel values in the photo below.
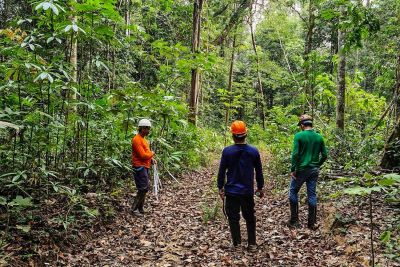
[{"x": 238, "y": 128}]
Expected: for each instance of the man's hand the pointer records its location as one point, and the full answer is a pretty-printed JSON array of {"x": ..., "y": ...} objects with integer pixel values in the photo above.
[
  {"x": 259, "y": 193},
  {"x": 293, "y": 175},
  {"x": 221, "y": 193}
]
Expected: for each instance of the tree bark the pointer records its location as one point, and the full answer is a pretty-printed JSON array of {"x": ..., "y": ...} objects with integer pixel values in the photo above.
[
  {"x": 396, "y": 94},
  {"x": 307, "y": 50},
  {"x": 391, "y": 156},
  {"x": 195, "y": 83},
  {"x": 73, "y": 59},
  {"x": 230, "y": 82},
  {"x": 127, "y": 18},
  {"x": 3, "y": 14},
  {"x": 341, "y": 86},
  {"x": 259, "y": 82}
]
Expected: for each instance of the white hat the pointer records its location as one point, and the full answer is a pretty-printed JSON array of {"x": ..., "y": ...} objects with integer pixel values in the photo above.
[{"x": 144, "y": 123}]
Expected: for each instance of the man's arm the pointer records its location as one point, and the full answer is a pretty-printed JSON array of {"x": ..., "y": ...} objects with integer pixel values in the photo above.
[
  {"x": 222, "y": 172},
  {"x": 138, "y": 148},
  {"x": 259, "y": 173},
  {"x": 324, "y": 153},
  {"x": 295, "y": 154}
]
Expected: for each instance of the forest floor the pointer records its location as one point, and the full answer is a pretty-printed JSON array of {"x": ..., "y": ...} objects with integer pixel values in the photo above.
[{"x": 185, "y": 227}]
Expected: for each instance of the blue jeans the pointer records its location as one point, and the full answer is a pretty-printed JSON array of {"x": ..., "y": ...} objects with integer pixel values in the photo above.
[{"x": 310, "y": 177}]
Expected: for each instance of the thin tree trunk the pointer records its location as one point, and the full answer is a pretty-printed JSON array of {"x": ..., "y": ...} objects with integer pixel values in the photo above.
[
  {"x": 307, "y": 51},
  {"x": 128, "y": 18},
  {"x": 371, "y": 223},
  {"x": 74, "y": 62},
  {"x": 3, "y": 14},
  {"x": 259, "y": 82},
  {"x": 341, "y": 86},
  {"x": 396, "y": 95},
  {"x": 195, "y": 83},
  {"x": 230, "y": 81}
]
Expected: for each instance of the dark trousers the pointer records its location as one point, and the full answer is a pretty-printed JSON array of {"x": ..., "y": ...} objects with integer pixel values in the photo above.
[
  {"x": 233, "y": 206},
  {"x": 141, "y": 176}
]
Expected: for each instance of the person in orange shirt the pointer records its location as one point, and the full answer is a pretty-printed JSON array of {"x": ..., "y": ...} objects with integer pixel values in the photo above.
[{"x": 142, "y": 158}]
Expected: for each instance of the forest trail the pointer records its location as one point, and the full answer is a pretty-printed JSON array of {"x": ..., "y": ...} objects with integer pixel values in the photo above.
[{"x": 173, "y": 233}]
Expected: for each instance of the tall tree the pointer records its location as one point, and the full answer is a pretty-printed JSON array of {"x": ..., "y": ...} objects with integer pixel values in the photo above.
[
  {"x": 195, "y": 84},
  {"x": 391, "y": 156},
  {"x": 259, "y": 82},
  {"x": 341, "y": 77},
  {"x": 230, "y": 83},
  {"x": 307, "y": 50}
]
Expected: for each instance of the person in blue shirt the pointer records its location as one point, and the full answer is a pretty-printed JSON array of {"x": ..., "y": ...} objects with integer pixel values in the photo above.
[{"x": 236, "y": 183}]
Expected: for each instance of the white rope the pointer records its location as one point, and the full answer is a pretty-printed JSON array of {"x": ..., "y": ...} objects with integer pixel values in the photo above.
[{"x": 156, "y": 181}]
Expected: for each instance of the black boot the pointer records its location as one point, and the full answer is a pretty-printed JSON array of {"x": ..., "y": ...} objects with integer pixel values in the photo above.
[
  {"x": 137, "y": 202},
  {"x": 312, "y": 216},
  {"x": 251, "y": 233},
  {"x": 294, "y": 214},
  {"x": 141, "y": 203},
  {"x": 235, "y": 232}
]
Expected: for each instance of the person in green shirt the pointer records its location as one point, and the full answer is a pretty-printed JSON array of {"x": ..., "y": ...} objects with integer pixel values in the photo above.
[{"x": 308, "y": 154}]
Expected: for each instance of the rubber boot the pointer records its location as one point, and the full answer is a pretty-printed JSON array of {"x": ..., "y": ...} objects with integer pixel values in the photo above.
[
  {"x": 251, "y": 233},
  {"x": 137, "y": 202},
  {"x": 251, "y": 236},
  {"x": 294, "y": 214},
  {"x": 141, "y": 203},
  {"x": 235, "y": 232},
  {"x": 312, "y": 216}
]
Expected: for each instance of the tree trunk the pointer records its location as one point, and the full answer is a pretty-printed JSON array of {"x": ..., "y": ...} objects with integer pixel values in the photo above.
[
  {"x": 341, "y": 86},
  {"x": 73, "y": 60},
  {"x": 127, "y": 18},
  {"x": 307, "y": 51},
  {"x": 230, "y": 81},
  {"x": 396, "y": 95},
  {"x": 3, "y": 14},
  {"x": 391, "y": 156},
  {"x": 259, "y": 82},
  {"x": 195, "y": 84}
]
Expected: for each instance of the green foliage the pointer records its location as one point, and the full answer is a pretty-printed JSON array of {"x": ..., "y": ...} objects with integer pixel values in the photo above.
[
  {"x": 66, "y": 136},
  {"x": 210, "y": 211}
]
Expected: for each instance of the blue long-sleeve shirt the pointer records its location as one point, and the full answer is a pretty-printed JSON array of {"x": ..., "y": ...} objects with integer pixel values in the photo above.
[{"x": 238, "y": 163}]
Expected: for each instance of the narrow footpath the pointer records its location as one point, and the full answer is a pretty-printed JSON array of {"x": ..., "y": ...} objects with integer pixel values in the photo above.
[{"x": 175, "y": 232}]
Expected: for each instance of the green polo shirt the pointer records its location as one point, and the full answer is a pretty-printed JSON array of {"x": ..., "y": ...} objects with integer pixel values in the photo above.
[{"x": 309, "y": 150}]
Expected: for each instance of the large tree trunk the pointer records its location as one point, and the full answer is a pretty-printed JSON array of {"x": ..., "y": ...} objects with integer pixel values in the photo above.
[
  {"x": 341, "y": 87},
  {"x": 195, "y": 84},
  {"x": 307, "y": 50},
  {"x": 391, "y": 156},
  {"x": 259, "y": 82}
]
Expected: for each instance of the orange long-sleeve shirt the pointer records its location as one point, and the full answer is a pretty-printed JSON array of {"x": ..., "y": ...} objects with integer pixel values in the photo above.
[{"x": 141, "y": 153}]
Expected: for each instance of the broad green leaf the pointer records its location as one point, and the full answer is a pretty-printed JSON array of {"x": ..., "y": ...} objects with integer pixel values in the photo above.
[
  {"x": 3, "y": 201},
  {"x": 24, "y": 228},
  {"x": 385, "y": 236},
  {"x": 393, "y": 176},
  {"x": 21, "y": 201}
]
